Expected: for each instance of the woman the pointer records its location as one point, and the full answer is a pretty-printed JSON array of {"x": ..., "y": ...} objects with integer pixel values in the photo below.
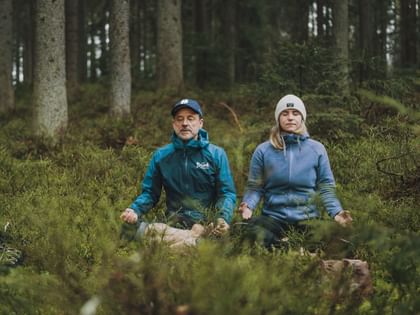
[{"x": 288, "y": 171}]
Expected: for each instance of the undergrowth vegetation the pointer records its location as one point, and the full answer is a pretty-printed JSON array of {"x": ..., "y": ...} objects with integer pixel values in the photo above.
[{"x": 60, "y": 207}]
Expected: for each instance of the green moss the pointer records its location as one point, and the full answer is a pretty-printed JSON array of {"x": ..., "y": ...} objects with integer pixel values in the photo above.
[{"x": 62, "y": 203}]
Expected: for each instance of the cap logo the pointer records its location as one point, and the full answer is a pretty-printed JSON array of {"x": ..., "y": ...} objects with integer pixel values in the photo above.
[
  {"x": 184, "y": 101},
  {"x": 290, "y": 105}
]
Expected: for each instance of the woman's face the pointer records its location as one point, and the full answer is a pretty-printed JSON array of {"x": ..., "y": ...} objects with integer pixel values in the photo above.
[{"x": 290, "y": 120}]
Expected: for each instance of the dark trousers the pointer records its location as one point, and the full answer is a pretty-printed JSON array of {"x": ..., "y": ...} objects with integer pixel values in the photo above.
[{"x": 269, "y": 232}]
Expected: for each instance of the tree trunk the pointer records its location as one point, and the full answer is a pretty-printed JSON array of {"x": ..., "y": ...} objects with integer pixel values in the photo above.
[
  {"x": 28, "y": 39},
  {"x": 408, "y": 33},
  {"x": 298, "y": 17},
  {"x": 72, "y": 48},
  {"x": 50, "y": 100},
  {"x": 341, "y": 36},
  {"x": 135, "y": 38},
  {"x": 202, "y": 39},
  {"x": 381, "y": 40},
  {"x": 83, "y": 74},
  {"x": 120, "y": 58},
  {"x": 170, "y": 73},
  {"x": 366, "y": 37},
  {"x": 7, "y": 99},
  {"x": 320, "y": 18},
  {"x": 92, "y": 63},
  {"x": 104, "y": 58},
  {"x": 150, "y": 37},
  {"x": 231, "y": 39}
]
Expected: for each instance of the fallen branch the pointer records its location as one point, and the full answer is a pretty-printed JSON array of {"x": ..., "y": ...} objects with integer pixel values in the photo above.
[{"x": 235, "y": 117}]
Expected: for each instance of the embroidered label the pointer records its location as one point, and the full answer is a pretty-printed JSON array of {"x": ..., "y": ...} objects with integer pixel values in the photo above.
[
  {"x": 290, "y": 105},
  {"x": 203, "y": 166},
  {"x": 184, "y": 101}
]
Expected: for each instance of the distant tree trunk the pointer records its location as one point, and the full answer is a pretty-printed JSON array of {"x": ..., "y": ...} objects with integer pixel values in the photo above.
[
  {"x": 202, "y": 35},
  {"x": 381, "y": 36},
  {"x": 150, "y": 38},
  {"x": 92, "y": 63},
  {"x": 7, "y": 99},
  {"x": 320, "y": 18},
  {"x": 72, "y": 48},
  {"x": 49, "y": 94},
  {"x": 104, "y": 58},
  {"x": 135, "y": 38},
  {"x": 28, "y": 39},
  {"x": 120, "y": 58},
  {"x": 341, "y": 36},
  {"x": 170, "y": 73},
  {"x": 366, "y": 37},
  {"x": 298, "y": 17},
  {"x": 418, "y": 34},
  {"x": 408, "y": 33},
  {"x": 83, "y": 74},
  {"x": 231, "y": 39}
]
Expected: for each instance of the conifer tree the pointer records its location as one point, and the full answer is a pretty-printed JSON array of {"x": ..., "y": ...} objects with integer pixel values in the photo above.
[
  {"x": 120, "y": 58},
  {"x": 49, "y": 89},
  {"x": 6, "y": 88}
]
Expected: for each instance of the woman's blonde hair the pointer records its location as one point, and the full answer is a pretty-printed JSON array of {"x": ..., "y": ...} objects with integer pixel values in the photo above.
[{"x": 276, "y": 139}]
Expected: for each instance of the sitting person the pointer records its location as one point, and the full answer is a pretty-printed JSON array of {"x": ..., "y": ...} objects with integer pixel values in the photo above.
[
  {"x": 288, "y": 171},
  {"x": 194, "y": 173}
]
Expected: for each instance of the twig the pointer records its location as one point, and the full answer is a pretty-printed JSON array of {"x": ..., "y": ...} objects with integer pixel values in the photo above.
[{"x": 235, "y": 117}]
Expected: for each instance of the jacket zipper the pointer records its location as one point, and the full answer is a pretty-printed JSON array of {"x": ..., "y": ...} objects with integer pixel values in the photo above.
[{"x": 186, "y": 168}]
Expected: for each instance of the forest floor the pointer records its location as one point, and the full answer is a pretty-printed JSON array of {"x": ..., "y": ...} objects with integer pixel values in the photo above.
[{"x": 60, "y": 207}]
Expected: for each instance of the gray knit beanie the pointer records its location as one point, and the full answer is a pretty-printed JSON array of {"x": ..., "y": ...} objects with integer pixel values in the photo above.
[{"x": 290, "y": 101}]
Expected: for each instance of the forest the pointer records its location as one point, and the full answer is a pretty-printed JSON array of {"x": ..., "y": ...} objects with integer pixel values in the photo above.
[{"x": 86, "y": 92}]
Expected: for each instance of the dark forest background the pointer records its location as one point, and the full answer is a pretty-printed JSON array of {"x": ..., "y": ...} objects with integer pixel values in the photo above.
[{"x": 86, "y": 89}]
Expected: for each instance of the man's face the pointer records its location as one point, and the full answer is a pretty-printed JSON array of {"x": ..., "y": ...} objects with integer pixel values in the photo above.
[{"x": 186, "y": 124}]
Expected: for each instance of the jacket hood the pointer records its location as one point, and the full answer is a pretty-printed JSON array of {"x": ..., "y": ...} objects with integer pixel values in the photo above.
[{"x": 201, "y": 142}]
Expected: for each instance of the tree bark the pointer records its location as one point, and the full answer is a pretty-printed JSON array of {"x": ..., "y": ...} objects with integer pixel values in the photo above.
[
  {"x": 49, "y": 91},
  {"x": 92, "y": 61},
  {"x": 408, "y": 33},
  {"x": 72, "y": 48},
  {"x": 298, "y": 17},
  {"x": 231, "y": 39},
  {"x": 120, "y": 58},
  {"x": 135, "y": 38},
  {"x": 341, "y": 36},
  {"x": 83, "y": 71},
  {"x": 28, "y": 39},
  {"x": 170, "y": 65},
  {"x": 7, "y": 99},
  {"x": 366, "y": 36},
  {"x": 103, "y": 21},
  {"x": 320, "y": 18}
]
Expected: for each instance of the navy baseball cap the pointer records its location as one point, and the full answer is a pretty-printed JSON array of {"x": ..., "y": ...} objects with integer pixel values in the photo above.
[{"x": 187, "y": 103}]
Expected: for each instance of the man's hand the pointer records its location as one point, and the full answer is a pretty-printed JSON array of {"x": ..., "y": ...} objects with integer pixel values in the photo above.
[
  {"x": 246, "y": 213},
  {"x": 343, "y": 218},
  {"x": 222, "y": 227},
  {"x": 129, "y": 216}
]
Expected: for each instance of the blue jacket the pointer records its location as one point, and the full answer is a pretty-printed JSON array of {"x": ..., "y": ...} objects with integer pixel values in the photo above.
[
  {"x": 289, "y": 179},
  {"x": 196, "y": 177}
]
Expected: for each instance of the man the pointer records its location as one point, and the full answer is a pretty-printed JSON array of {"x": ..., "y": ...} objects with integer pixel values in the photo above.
[{"x": 194, "y": 173}]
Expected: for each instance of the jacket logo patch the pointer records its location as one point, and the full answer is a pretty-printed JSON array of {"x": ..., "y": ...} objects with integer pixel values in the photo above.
[{"x": 203, "y": 166}]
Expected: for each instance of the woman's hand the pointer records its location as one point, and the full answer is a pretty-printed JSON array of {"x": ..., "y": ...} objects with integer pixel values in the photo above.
[
  {"x": 129, "y": 216},
  {"x": 343, "y": 218},
  {"x": 246, "y": 213}
]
